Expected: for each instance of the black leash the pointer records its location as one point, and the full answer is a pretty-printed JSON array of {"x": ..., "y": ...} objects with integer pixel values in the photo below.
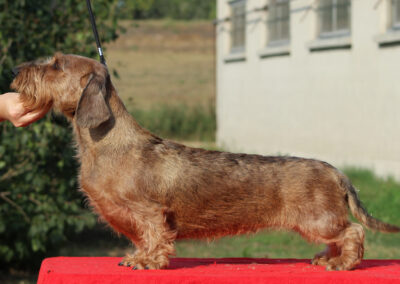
[{"x": 96, "y": 35}]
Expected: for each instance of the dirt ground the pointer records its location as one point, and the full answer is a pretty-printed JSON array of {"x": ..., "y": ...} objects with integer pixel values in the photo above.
[{"x": 164, "y": 62}]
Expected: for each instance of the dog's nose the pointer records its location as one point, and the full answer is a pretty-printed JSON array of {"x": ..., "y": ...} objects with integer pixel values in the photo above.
[{"x": 15, "y": 71}]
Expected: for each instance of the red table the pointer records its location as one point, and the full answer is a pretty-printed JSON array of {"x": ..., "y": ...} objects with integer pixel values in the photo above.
[{"x": 225, "y": 270}]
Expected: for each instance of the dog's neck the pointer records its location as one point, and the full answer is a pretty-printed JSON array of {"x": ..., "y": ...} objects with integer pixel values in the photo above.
[{"x": 118, "y": 134}]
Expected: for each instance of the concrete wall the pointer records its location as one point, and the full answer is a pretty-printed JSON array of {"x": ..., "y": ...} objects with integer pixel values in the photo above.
[{"x": 339, "y": 105}]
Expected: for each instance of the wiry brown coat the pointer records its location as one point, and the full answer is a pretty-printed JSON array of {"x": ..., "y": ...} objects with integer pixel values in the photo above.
[{"x": 155, "y": 191}]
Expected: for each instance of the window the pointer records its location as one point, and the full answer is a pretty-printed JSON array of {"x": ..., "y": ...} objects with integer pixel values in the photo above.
[
  {"x": 334, "y": 17},
  {"x": 278, "y": 22},
  {"x": 238, "y": 31},
  {"x": 395, "y": 18}
]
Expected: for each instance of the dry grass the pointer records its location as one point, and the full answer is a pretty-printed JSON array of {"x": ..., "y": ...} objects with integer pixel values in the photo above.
[{"x": 164, "y": 62}]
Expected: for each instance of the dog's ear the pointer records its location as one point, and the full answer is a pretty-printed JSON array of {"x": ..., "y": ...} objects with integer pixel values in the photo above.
[{"x": 92, "y": 109}]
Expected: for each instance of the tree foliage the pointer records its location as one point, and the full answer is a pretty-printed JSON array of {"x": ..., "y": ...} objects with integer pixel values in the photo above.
[
  {"x": 32, "y": 29},
  {"x": 39, "y": 201}
]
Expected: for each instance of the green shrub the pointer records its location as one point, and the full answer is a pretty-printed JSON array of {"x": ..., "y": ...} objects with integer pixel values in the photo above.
[
  {"x": 39, "y": 201},
  {"x": 32, "y": 29},
  {"x": 179, "y": 121}
]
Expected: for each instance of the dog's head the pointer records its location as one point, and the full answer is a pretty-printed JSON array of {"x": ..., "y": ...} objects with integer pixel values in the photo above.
[{"x": 76, "y": 86}]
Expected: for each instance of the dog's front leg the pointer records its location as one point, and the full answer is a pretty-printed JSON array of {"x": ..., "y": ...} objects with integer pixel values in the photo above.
[{"x": 154, "y": 239}]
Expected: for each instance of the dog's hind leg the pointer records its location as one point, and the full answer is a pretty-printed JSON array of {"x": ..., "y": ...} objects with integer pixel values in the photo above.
[
  {"x": 323, "y": 257},
  {"x": 351, "y": 247},
  {"x": 345, "y": 250}
]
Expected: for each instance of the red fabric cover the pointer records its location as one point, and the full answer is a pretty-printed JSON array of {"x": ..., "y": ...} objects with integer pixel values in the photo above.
[{"x": 225, "y": 270}]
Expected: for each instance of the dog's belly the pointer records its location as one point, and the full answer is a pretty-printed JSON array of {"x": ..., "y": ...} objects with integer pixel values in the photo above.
[{"x": 191, "y": 232}]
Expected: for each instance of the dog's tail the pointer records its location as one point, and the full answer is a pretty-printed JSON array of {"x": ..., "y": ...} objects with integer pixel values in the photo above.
[{"x": 358, "y": 211}]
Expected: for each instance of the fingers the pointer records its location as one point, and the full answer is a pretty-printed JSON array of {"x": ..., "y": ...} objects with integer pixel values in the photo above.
[
  {"x": 12, "y": 109},
  {"x": 30, "y": 117}
]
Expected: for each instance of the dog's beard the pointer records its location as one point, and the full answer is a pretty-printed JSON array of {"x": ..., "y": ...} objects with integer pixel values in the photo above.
[{"x": 29, "y": 85}]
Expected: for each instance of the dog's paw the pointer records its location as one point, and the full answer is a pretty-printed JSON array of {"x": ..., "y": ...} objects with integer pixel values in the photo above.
[
  {"x": 323, "y": 261},
  {"x": 339, "y": 264},
  {"x": 335, "y": 267},
  {"x": 320, "y": 259},
  {"x": 143, "y": 262},
  {"x": 128, "y": 260}
]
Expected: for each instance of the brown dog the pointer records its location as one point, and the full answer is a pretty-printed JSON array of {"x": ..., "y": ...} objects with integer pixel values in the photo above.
[{"x": 155, "y": 191}]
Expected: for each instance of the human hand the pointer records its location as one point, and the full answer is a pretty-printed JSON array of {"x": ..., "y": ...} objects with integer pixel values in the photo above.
[{"x": 12, "y": 109}]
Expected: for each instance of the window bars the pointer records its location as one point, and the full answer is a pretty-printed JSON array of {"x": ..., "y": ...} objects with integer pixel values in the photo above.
[
  {"x": 238, "y": 30},
  {"x": 395, "y": 16},
  {"x": 334, "y": 17},
  {"x": 278, "y": 22}
]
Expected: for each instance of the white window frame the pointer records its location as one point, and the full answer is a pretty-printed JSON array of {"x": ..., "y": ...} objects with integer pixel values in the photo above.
[
  {"x": 335, "y": 31},
  {"x": 238, "y": 25},
  {"x": 279, "y": 21}
]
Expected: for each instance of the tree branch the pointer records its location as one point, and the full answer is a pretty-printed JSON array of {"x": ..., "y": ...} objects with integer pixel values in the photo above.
[{"x": 4, "y": 194}]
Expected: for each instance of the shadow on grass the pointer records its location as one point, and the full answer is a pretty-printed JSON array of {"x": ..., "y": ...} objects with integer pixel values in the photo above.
[{"x": 99, "y": 241}]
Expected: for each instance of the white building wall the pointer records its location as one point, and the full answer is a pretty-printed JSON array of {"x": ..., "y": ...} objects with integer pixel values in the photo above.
[{"x": 340, "y": 105}]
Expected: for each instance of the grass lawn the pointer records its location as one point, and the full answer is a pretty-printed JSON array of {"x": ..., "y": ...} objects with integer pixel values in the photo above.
[
  {"x": 166, "y": 76},
  {"x": 164, "y": 62}
]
